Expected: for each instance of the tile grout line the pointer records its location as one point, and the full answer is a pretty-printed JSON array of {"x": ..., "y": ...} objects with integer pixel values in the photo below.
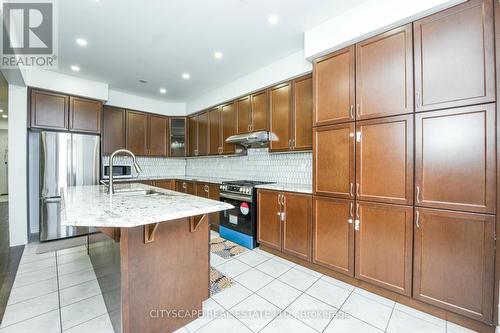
[
  {"x": 390, "y": 317},
  {"x": 58, "y": 295}
]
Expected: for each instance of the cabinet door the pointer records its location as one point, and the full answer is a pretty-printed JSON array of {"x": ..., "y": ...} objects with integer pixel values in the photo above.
[
  {"x": 49, "y": 110},
  {"x": 260, "y": 112},
  {"x": 297, "y": 225},
  {"x": 302, "y": 113},
  {"x": 333, "y": 160},
  {"x": 333, "y": 234},
  {"x": 113, "y": 129},
  {"x": 334, "y": 88},
  {"x": 454, "y": 57},
  {"x": 193, "y": 136},
  {"x": 185, "y": 187},
  {"x": 280, "y": 113},
  {"x": 454, "y": 261},
  {"x": 384, "y": 160},
  {"x": 158, "y": 135},
  {"x": 202, "y": 121},
  {"x": 84, "y": 115},
  {"x": 244, "y": 112},
  {"x": 212, "y": 191},
  {"x": 177, "y": 141},
  {"x": 214, "y": 129},
  {"x": 228, "y": 124},
  {"x": 384, "y": 245},
  {"x": 455, "y": 159},
  {"x": 166, "y": 184},
  {"x": 201, "y": 190},
  {"x": 384, "y": 74},
  {"x": 137, "y": 132},
  {"x": 268, "y": 219}
]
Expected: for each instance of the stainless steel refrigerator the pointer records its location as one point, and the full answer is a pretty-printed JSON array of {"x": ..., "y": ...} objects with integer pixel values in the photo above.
[{"x": 64, "y": 160}]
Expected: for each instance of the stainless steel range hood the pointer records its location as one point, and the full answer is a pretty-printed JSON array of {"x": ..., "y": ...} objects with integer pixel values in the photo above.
[{"x": 250, "y": 140}]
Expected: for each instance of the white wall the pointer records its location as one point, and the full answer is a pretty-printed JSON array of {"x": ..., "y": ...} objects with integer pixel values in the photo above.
[
  {"x": 18, "y": 198},
  {"x": 286, "y": 68},
  {"x": 367, "y": 19},
  {"x": 44, "y": 79},
  {"x": 135, "y": 102}
]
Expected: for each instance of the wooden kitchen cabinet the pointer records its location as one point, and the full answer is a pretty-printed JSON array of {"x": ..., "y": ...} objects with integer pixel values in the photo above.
[
  {"x": 384, "y": 74},
  {"x": 334, "y": 93},
  {"x": 284, "y": 222},
  {"x": 193, "y": 136},
  {"x": 383, "y": 245},
  {"x": 302, "y": 118},
  {"x": 168, "y": 184},
  {"x": 177, "y": 136},
  {"x": 214, "y": 128},
  {"x": 209, "y": 191},
  {"x": 48, "y": 110},
  {"x": 455, "y": 159},
  {"x": 228, "y": 127},
  {"x": 297, "y": 224},
  {"x": 185, "y": 187},
  {"x": 333, "y": 160},
  {"x": 384, "y": 160},
  {"x": 244, "y": 111},
  {"x": 454, "y": 261},
  {"x": 114, "y": 129},
  {"x": 158, "y": 136},
  {"x": 84, "y": 115},
  {"x": 202, "y": 121},
  {"x": 269, "y": 227},
  {"x": 137, "y": 132},
  {"x": 260, "y": 111},
  {"x": 333, "y": 234},
  {"x": 280, "y": 113},
  {"x": 454, "y": 57}
]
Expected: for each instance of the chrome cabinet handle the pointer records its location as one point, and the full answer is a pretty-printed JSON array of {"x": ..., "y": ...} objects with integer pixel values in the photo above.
[
  {"x": 184, "y": 185},
  {"x": 418, "y": 194},
  {"x": 351, "y": 213},
  {"x": 351, "y": 189},
  {"x": 289, "y": 144},
  {"x": 357, "y": 190},
  {"x": 206, "y": 188},
  {"x": 357, "y": 210},
  {"x": 351, "y": 111},
  {"x": 358, "y": 107},
  {"x": 293, "y": 143},
  {"x": 358, "y": 136},
  {"x": 356, "y": 224},
  {"x": 417, "y": 99},
  {"x": 417, "y": 219}
]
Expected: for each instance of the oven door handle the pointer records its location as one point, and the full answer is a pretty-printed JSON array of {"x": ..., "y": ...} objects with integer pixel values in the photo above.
[{"x": 235, "y": 197}]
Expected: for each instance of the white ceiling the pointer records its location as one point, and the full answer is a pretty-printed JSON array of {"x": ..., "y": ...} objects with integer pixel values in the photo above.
[{"x": 158, "y": 40}]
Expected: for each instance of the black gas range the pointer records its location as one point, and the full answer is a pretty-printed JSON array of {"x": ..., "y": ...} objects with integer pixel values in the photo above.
[{"x": 240, "y": 223}]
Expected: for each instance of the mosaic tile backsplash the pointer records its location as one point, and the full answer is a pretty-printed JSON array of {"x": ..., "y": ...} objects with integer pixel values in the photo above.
[{"x": 259, "y": 164}]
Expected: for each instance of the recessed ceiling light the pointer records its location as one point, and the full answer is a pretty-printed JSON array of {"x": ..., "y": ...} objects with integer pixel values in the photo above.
[
  {"x": 163, "y": 91},
  {"x": 4, "y": 116},
  {"x": 186, "y": 76},
  {"x": 1, "y": 110},
  {"x": 81, "y": 42},
  {"x": 218, "y": 55},
  {"x": 75, "y": 68},
  {"x": 273, "y": 19}
]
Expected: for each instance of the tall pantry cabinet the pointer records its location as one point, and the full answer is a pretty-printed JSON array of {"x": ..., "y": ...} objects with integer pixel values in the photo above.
[{"x": 404, "y": 163}]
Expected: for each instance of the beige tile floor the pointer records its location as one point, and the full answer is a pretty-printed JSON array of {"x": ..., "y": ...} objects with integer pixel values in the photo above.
[{"x": 58, "y": 292}]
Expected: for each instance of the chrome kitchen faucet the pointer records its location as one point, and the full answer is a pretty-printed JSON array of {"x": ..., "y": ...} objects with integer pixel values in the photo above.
[{"x": 111, "y": 189}]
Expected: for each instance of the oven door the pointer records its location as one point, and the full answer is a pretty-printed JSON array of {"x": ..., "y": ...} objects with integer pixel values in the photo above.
[{"x": 240, "y": 218}]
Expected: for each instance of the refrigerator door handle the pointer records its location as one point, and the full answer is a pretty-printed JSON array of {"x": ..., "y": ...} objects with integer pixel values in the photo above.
[{"x": 51, "y": 200}]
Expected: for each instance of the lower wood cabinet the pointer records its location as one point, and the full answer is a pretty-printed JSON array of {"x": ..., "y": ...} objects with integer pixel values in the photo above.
[
  {"x": 185, "y": 187},
  {"x": 209, "y": 191},
  {"x": 454, "y": 261},
  {"x": 333, "y": 234},
  {"x": 284, "y": 222},
  {"x": 383, "y": 245},
  {"x": 168, "y": 184}
]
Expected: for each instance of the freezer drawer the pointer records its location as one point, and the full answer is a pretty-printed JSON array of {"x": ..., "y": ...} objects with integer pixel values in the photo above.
[{"x": 50, "y": 218}]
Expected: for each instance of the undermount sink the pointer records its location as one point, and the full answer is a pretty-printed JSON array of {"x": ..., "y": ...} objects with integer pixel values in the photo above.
[{"x": 130, "y": 192}]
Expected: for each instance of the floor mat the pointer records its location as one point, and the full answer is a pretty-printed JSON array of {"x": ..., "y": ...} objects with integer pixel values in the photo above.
[
  {"x": 218, "y": 281},
  {"x": 225, "y": 249}
]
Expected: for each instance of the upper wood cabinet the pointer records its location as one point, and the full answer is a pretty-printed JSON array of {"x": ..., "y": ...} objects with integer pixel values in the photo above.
[
  {"x": 228, "y": 127},
  {"x": 260, "y": 111},
  {"x": 280, "y": 113},
  {"x": 333, "y": 160},
  {"x": 334, "y": 94},
  {"x": 114, "y": 129},
  {"x": 384, "y": 236},
  {"x": 455, "y": 159},
  {"x": 158, "y": 135},
  {"x": 454, "y": 261},
  {"x": 302, "y": 119},
  {"x": 244, "y": 111},
  {"x": 214, "y": 128},
  {"x": 177, "y": 136},
  {"x": 333, "y": 234},
  {"x": 49, "y": 110},
  {"x": 202, "y": 122},
  {"x": 384, "y": 74},
  {"x": 454, "y": 57},
  {"x": 84, "y": 115},
  {"x": 384, "y": 160},
  {"x": 269, "y": 219},
  {"x": 137, "y": 133},
  {"x": 193, "y": 136}
]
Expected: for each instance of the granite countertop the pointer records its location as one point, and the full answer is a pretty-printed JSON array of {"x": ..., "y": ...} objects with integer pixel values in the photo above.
[
  {"x": 212, "y": 180},
  {"x": 299, "y": 188},
  {"x": 92, "y": 206}
]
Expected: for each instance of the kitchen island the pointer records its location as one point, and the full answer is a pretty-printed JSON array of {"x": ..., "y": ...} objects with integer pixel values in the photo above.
[{"x": 151, "y": 256}]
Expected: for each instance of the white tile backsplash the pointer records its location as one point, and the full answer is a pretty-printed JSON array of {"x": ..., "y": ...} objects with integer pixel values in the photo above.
[{"x": 259, "y": 165}]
